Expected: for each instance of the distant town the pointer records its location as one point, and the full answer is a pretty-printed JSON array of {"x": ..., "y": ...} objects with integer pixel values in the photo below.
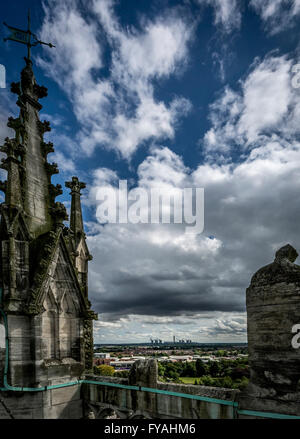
[{"x": 182, "y": 361}]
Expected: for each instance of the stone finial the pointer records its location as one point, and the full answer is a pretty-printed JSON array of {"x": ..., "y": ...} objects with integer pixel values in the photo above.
[
  {"x": 51, "y": 168},
  {"x": 43, "y": 126},
  {"x": 287, "y": 252},
  {"x": 13, "y": 165},
  {"x": 54, "y": 192},
  {"x": 281, "y": 269},
  {"x": 40, "y": 91},
  {"x": 27, "y": 89},
  {"x": 27, "y": 77},
  {"x": 59, "y": 213},
  {"x": 3, "y": 186},
  {"x": 75, "y": 185},
  {"x": 47, "y": 148},
  {"x": 144, "y": 373},
  {"x": 28, "y": 84},
  {"x": 15, "y": 123},
  {"x": 76, "y": 222},
  {"x": 15, "y": 88}
]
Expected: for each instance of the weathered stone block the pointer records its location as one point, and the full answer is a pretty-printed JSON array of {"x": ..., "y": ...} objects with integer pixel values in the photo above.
[{"x": 273, "y": 308}]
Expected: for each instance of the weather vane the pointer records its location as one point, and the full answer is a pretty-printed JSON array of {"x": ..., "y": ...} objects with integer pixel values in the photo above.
[{"x": 25, "y": 37}]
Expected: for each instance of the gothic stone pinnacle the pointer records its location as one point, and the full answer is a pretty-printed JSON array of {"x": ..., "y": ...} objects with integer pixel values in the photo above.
[{"x": 75, "y": 185}]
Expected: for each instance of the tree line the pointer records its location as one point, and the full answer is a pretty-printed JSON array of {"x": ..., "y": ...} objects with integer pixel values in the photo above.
[
  {"x": 233, "y": 374},
  {"x": 224, "y": 373}
]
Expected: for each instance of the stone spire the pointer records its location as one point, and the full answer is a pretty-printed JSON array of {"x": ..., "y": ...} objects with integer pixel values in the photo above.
[
  {"x": 77, "y": 238},
  {"x": 76, "y": 223},
  {"x": 28, "y": 183}
]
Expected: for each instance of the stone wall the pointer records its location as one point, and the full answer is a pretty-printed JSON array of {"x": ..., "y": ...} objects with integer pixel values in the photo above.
[
  {"x": 112, "y": 402},
  {"x": 62, "y": 403},
  {"x": 273, "y": 307}
]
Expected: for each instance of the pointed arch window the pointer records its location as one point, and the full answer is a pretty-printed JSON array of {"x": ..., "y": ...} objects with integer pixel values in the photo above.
[{"x": 61, "y": 320}]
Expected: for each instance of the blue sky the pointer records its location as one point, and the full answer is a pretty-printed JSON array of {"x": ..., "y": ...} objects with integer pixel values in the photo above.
[{"x": 194, "y": 93}]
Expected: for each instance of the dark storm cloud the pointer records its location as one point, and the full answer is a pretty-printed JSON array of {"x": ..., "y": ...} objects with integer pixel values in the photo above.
[{"x": 145, "y": 297}]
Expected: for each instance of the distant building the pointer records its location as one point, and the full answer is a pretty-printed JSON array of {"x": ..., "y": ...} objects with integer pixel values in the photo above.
[
  {"x": 182, "y": 358},
  {"x": 122, "y": 364},
  {"x": 101, "y": 355},
  {"x": 100, "y": 361},
  {"x": 101, "y": 358}
]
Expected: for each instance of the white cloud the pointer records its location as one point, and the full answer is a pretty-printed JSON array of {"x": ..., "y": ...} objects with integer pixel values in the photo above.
[
  {"x": 7, "y": 109},
  {"x": 227, "y": 13},
  {"x": 55, "y": 120},
  {"x": 104, "y": 176},
  {"x": 278, "y": 15},
  {"x": 154, "y": 52},
  {"x": 65, "y": 164},
  {"x": 152, "y": 120},
  {"x": 163, "y": 167},
  {"x": 65, "y": 148},
  {"x": 78, "y": 51},
  {"x": 226, "y": 327},
  {"x": 267, "y": 95},
  {"x": 231, "y": 328},
  {"x": 118, "y": 111},
  {"x": 264, "y": 106}
]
